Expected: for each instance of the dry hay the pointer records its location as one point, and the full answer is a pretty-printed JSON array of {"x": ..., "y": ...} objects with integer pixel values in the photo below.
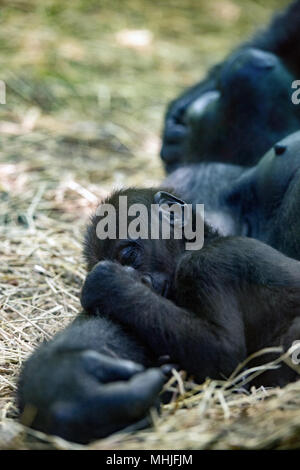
[{"x": 59, "y": 155}]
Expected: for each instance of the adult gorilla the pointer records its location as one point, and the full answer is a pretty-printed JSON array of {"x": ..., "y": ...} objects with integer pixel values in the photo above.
[{"x": 244, "y": 104}]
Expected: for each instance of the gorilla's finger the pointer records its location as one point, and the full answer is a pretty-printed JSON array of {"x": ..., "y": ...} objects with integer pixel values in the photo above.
[
  {"x": 109, "y": 369},
  {"x": 167, "y": 369},
  {"x": 138, "y": 425},
  {"x": 107, "y": 408},
  {"x": 62, "y": 415},
  {"x": 131, "y": 400}
]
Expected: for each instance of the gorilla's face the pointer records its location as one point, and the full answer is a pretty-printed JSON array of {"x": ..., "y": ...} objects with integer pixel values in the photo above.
[
  {"x": 152, "y": 257},
  {"x": 235, "y": 115}
]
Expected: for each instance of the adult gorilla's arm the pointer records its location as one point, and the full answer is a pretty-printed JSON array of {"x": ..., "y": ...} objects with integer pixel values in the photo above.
[
  {"x": 83, "y": 385},
  {"x": 264, "y": 200},
  {"x": 284, "y": 233}
]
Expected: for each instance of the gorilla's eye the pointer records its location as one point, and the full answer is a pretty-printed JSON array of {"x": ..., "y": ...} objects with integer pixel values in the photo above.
[{"x": 129, "y": 255}]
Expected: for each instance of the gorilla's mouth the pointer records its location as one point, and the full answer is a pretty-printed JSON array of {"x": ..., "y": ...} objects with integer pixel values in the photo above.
[{"x": 180, "y": 127}]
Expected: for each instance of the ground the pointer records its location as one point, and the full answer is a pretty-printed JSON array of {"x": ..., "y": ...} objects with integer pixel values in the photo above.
[{"x": 87, "y": 84}]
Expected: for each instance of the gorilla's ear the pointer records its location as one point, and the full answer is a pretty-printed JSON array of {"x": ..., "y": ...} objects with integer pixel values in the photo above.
[
  {"x": 172, "y": 207},
  {"x": 162, "y": 197}
]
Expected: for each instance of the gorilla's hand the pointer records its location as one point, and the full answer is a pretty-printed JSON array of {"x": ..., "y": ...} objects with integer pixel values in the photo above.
[
  {"x": 85, "y": 395},
  {"x": 108, "y": 285}
]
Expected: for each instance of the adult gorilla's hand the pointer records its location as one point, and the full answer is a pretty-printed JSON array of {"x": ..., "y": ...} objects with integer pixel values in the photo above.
[{"x": 85, "y": 395}]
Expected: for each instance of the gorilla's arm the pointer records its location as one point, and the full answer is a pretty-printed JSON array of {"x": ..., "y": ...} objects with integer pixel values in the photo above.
[
  {"x": 284, "y": 229},
  {"x": 200, "y": 344},
  {"x": 264, "y": 200},
  {"x": 84, "y": 385},
  {"x": 233, "y": 298}
]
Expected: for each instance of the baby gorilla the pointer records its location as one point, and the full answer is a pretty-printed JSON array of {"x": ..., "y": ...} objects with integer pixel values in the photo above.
[{"x": 207, "y": 309}]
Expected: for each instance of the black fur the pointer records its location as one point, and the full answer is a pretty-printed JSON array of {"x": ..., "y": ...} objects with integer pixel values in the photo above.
[{"x": 261, "y": 202}]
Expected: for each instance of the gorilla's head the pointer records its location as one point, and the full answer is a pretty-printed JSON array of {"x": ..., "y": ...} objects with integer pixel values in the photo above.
[{"x": 235, "y": 115}]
